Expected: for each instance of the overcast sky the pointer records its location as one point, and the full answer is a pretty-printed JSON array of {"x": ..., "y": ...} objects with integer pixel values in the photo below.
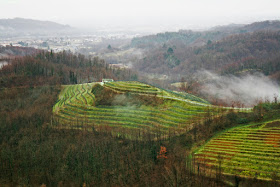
[{"x": 143, "y": 13}]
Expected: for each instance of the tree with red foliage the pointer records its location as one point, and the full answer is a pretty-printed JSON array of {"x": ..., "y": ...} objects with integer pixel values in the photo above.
[{"x": 162, "y": 153}]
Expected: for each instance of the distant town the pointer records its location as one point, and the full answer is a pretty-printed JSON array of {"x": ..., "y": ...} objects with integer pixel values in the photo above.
[{"x": 61, "y": 43}]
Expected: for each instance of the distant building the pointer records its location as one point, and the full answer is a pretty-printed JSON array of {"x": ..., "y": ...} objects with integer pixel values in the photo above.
[{"x": 107, "y": 80}]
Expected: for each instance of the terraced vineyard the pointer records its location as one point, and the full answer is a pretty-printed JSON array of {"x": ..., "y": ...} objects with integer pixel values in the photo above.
[
  {"x": 135, "y": 87},
  {"x": 250, "y": 151},
  {"x": 141, "y": 88},
  {"x": 76, "y": 109}
]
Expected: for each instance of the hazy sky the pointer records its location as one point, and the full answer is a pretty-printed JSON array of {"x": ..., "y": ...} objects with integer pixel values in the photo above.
[{"x": 142, "y": 13}]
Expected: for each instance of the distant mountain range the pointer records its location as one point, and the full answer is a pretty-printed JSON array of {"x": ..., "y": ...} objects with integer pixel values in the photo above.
[{"x": 29, "y": 26}]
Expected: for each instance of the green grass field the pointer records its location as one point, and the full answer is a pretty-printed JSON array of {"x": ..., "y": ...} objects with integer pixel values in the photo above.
[
  {"x": 250, "y": 151},
  {"x": 76, "y": 108}
]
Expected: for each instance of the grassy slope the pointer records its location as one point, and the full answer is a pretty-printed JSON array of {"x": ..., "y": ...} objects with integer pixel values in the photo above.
[
  {"x": 75, "y": 108},
  {"x": 249, "y": 151}
]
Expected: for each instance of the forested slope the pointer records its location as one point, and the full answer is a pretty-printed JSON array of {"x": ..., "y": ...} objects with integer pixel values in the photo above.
[{"x": 258, "y": 51}]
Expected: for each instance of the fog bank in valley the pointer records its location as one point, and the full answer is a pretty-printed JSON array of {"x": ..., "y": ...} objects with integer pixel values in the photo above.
[{"x": 247, "y": 89}]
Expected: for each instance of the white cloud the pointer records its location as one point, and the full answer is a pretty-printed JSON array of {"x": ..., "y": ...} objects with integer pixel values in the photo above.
[{"x": 246, "y": 89}]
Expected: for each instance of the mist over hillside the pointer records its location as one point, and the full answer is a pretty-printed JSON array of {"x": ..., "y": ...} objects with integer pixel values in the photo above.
[{"x": 246, "y": 90}]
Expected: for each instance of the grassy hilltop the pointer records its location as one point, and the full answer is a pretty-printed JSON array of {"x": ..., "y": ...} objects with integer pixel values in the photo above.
[{"x": 122, "y": 106}]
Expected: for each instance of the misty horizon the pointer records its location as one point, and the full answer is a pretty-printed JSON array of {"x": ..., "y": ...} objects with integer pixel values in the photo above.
[{"x": 155, "y": 16}]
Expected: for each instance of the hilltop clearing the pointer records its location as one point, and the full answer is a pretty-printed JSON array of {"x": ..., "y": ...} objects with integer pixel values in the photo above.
[{"x": 124, "y": 106}]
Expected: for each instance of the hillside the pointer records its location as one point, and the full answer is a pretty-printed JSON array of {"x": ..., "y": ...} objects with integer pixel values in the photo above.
[
  {"x": 249, "y": 150},
  {"x": 225, "y": 50},
  {"x": 61, "y": 126},
  {"x": 56, "y": 132},
  {"x": 129, "y": 105},
  {"x": 259, "y": 49},
  {"x": 189, "y": 38},
  {"x": 245, "y": 151},
  {"x": 34, "y": 152},
  {"x": 236, "y": 53}
]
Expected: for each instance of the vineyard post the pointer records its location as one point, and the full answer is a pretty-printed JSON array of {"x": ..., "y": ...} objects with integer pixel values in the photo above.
[{"x": 219, "y": 168}]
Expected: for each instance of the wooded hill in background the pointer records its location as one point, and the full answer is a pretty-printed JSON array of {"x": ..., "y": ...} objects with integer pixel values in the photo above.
[
  {"x": 226, "y": 50},
  {"x": 198, "y": 38}
]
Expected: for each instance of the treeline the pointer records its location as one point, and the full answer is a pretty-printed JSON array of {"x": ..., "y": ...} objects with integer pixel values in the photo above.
[
  {"x": 189, "y": 38},
  {"x": 58, "y": 68},
  {"x": 186, "y": 38},
  {"x": 11, "y": 51}
]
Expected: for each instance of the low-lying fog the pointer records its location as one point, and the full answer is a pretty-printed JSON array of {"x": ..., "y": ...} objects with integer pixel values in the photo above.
[
  {"x": 247, "y": 89},
  {"x": 3, "y": 63}
]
